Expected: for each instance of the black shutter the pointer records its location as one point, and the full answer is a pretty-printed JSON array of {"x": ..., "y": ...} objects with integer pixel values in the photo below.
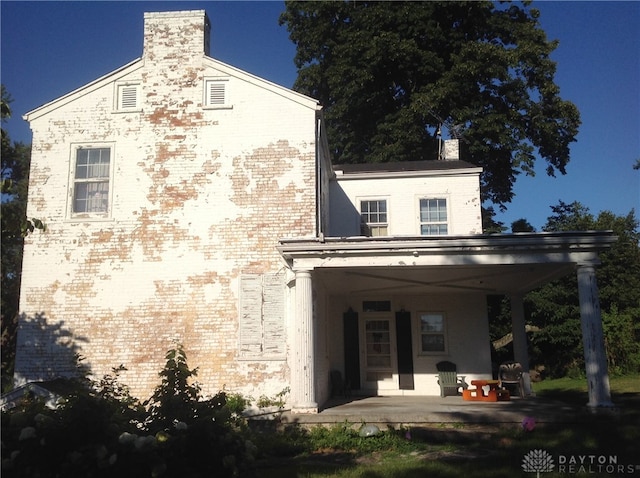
[
  {"x": 405, "y": 351},
  {"x": 351, "y": 349}
]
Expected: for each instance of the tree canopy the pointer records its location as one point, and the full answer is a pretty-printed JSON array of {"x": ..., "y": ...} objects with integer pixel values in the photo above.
[
  {"x": 15, "y": 226},
  {"x": 554, "y": 307},
  {"x": 390, "y": 75}
]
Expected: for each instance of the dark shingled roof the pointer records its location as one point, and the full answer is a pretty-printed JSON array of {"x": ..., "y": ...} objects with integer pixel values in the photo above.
[{"x": 402, "y": 166}]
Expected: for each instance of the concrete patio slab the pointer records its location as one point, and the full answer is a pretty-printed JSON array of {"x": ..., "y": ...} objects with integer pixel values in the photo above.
[{"x": 430, "y": 411}]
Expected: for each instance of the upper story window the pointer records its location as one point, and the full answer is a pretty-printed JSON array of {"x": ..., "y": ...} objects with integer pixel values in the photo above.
[
  {"x": 433, "y": 217},
  {"x": 91, "y": 178},
  {"x": 216, "y": 93},
  {"x": 374, "y": 217},
  {"x": 128, "y": 97},
  {"x": 432, "y": 332}
]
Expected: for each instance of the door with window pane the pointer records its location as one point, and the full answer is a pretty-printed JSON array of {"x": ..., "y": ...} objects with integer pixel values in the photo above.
[{"x": 379, "y": 371}]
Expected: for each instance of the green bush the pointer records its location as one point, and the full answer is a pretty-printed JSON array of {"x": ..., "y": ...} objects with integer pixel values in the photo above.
[{"x": 100, "y": 430}]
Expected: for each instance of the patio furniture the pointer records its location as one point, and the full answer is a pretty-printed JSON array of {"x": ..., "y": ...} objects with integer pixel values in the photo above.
[
  {"x": 493, "y": 394},
  {"x": 510, "y": 373},
  {"x": 448, "y": 379}
]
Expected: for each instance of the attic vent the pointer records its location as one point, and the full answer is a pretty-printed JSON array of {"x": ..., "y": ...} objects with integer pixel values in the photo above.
[
  {"x": 128, "y": 97},
  {"x": 216, "y": 94}
]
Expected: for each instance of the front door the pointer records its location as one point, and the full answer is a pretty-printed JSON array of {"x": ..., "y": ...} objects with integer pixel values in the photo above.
[{"x": 379, "y": 361}]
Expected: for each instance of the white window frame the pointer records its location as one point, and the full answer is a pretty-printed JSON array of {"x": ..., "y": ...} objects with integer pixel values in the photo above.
[
  {"x": 438, "y": 222},
  {"x": 127, "y": 86},
  {"x": 367, "y": 227},
  {"x": 219, "y": 82},
  {"x": 442, "y": 333},
  {"x": 74, "y": 181}
]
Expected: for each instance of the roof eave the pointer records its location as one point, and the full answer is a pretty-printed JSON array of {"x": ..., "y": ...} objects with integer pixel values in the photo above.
[
  {"x": 341, "y": 176},
  {"x": 266, "y": 84},
  {"x": 587, "y": 241}
]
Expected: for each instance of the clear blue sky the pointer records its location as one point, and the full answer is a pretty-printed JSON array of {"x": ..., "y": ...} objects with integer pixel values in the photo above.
[{"x": 51, "y": 48}]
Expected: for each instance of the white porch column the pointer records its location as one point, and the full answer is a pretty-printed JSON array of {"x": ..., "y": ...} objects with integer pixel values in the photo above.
[
  {"x": 520, "y": 346},
  {"x": 595, "y": 357},
  {"x": 302, "y": 370}
]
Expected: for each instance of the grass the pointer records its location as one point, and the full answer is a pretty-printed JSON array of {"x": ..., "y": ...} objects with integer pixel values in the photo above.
[
  {"x": 619, "y": 385},
  {"x": 340, "y": 452}
]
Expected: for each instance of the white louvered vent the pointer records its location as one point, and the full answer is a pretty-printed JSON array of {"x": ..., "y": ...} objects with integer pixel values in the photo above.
[
  {"x": 216, "y": 94},
  {"x": 128, "y": 97}
]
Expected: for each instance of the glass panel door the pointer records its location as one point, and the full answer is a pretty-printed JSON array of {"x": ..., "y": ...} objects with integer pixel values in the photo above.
[{"x": 379, "y": 364}]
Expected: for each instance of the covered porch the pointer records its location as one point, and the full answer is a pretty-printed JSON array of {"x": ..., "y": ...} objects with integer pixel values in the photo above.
[
  {"x": 389, "y": 411},
  {"x": 379, "y": 279}
]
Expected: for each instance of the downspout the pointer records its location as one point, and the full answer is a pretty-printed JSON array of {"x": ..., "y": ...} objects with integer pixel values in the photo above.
[{"x": 319, "y": 178}]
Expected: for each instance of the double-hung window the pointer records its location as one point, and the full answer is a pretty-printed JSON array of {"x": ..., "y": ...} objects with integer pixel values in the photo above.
[
  {"x": 433, "y": 217},
  {"x": 432, "y": 332},
  {"x": 374, "y": 217},
  {"x": 91, "y": 178}
]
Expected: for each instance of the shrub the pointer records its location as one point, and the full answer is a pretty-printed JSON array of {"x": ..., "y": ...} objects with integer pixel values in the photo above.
[{"x": 102, "y": 431}]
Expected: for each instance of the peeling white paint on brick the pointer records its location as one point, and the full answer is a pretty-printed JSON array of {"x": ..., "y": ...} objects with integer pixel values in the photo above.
[{"x": 198, "y": 197}]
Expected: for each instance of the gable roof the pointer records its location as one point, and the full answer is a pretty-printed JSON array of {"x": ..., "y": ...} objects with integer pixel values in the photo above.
[
  {"x": 138, "y": 63},
  {"x": 207, "y": 62},
  {"x": 262, "y": 83}
]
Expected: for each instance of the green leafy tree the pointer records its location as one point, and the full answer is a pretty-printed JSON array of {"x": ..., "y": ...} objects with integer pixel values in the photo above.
[
  {"x": 391, "y": 75},
  {"x": 555, "y": 307},
  {"x": 522, "y": 225},
  {"x": 15, "y": 226},
  {"x": 489, "y": 223}
]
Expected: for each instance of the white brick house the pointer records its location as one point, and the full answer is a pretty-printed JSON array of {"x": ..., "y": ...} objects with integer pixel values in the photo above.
[{"x": 188, "y": 201}]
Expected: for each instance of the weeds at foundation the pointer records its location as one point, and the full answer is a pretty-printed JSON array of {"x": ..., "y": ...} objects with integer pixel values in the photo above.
[{"x": 459, "y": 449}]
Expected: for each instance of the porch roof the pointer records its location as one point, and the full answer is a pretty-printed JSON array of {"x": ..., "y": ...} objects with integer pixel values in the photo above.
[{"x": 500, "y": 263}]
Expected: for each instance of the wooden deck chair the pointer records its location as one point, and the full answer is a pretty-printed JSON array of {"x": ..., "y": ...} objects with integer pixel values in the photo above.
[
  {"x": 448, "y": 379},
  {"x": 510, "y": 373}
]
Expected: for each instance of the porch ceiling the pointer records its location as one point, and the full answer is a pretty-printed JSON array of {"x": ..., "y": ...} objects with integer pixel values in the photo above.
[
  {"x": 418, "y": 280},
  {"x": 506, "y": 263}
]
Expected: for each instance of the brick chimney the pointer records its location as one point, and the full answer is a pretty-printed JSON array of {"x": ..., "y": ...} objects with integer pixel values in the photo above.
[{"x": 176, "y": 36}]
